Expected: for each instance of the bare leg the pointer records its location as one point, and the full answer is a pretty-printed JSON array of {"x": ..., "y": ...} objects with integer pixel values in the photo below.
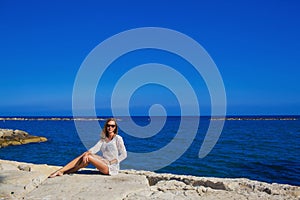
[
  {"x": 77, "y": 163},
  {"x": 99, "y": 164},
  {"x": 81, "y": 162}
]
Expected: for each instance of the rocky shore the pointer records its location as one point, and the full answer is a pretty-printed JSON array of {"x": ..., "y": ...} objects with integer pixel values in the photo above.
[
  {"x": 17, "y": 137},
  {"x": 29, "y": 181}
]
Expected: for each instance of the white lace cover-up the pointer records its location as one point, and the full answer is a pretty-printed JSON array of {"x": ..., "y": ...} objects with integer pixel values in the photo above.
[{"x": 114, "y": 149}]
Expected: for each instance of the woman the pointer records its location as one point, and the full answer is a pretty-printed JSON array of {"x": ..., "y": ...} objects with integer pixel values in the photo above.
[{"x": 113, "y": 150}]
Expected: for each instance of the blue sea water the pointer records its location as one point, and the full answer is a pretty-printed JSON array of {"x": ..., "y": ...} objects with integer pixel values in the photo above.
[{"x": 259, "y": 148}]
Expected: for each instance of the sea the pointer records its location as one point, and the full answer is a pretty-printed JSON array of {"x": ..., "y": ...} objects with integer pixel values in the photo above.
[{"x": 263, "y": 148}]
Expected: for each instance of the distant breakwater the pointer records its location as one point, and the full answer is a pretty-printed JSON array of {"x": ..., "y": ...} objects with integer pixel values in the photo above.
[
  {"x": 246, "y": 118},
  {"x": 49, "y": 119}
]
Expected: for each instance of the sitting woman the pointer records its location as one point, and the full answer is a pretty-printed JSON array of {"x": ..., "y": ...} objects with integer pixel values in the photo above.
[{"x": 113, "y": 151}]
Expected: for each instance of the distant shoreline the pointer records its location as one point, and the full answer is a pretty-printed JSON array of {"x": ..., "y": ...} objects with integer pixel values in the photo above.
[{"x": 86, "y": 118}]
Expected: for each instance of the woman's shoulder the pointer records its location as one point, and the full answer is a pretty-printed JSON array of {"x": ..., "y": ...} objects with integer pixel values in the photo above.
[{"x": 118, "y": 137}]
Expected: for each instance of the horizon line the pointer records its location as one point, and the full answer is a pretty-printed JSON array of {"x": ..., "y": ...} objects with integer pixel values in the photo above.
[{"x": 109, "y": 116}]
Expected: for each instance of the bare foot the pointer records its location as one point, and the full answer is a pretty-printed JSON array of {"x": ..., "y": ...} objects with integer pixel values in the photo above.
[{"x": 57, "y": 173}]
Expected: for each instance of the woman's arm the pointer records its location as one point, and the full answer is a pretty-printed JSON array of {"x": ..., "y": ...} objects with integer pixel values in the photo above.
[
  {"x": 96, "y": 148},
  {"x": 121, "y": 149}
]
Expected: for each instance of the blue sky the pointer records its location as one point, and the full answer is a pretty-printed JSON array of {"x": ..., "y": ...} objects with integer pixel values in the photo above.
[{"x": 255, "y": 45}]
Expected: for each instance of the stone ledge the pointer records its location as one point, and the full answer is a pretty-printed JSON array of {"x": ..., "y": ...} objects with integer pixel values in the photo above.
[
  {"x": 29, "y": 181},
  {"x": 236, "y": 188}
]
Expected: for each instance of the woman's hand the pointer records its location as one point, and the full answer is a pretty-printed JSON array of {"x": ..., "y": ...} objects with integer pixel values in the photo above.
[
  {"x": 86, "y": 157},
  {"x": 114, "y": 161}
]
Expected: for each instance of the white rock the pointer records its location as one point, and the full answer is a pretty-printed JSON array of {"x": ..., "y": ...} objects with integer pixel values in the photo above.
[{"x": 130, "y": 184}]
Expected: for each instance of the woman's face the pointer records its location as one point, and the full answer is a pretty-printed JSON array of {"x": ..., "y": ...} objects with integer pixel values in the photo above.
[{"x": 111, "y": 126}]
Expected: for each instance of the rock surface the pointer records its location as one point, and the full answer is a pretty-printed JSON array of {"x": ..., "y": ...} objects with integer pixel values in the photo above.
[
  {"x": 29, "y": 181},
  {"x": 17, "y": 137}
]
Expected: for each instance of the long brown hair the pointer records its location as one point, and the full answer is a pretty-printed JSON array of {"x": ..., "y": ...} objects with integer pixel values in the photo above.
[{"x": 104, "y": 133}]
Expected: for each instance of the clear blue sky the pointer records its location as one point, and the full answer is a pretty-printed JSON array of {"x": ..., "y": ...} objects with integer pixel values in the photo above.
[{"x": 255, "y": 45}]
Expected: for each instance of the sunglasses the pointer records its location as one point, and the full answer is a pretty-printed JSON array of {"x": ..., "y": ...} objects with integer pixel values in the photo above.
[{"x": 111, "y": 125}]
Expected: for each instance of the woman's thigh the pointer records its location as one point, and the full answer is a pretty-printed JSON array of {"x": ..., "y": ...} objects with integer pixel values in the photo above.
[{"x": 100, "y": 163}]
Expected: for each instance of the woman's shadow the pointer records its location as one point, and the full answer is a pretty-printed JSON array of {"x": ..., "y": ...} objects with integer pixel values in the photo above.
[{"x": 87, "y": 171}]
